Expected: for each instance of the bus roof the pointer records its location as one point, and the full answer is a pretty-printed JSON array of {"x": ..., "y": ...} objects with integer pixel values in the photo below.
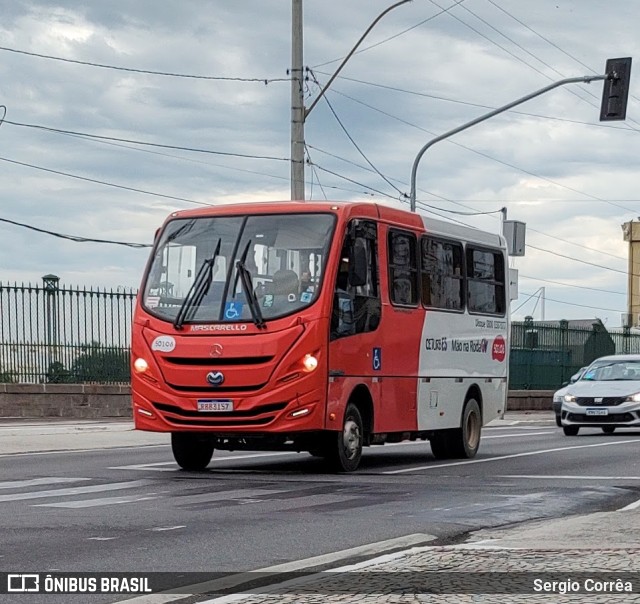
[{"x": 391, "y": 214}]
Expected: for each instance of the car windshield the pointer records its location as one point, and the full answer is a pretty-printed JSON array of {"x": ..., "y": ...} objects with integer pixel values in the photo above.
[
  {"x": 237, "y": 268},
  {"x": 606, "y": 371}
]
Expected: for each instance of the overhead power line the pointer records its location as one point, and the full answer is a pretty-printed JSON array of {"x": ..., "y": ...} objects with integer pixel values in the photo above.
[
  {"x": 572, "y": 304},
  {"x": 145, "y": 143},
  {"x": 145, "y": 71},
  {"x": 101, "y": 182},
  {"x": 394, "y": 36},
  {"x": 75, "y": 238}
]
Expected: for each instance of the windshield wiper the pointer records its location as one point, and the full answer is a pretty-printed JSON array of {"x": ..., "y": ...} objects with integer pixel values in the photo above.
[
  {"x": 242, "y": 272},
  {"x": 198, "y": 290}
]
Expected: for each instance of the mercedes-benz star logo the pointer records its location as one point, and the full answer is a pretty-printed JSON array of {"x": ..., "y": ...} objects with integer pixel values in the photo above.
[
  {"x": 216, "y": 351},
  {"x": 215, "y": 378}
]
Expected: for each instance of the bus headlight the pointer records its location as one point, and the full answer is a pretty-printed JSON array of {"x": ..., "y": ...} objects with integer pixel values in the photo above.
[
  {"x": 310, "y": 363},
  {"x": 140, "y": 365}
]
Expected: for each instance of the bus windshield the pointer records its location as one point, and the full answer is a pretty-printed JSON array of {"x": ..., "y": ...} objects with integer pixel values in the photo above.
[{"x": 237, "y": 268}]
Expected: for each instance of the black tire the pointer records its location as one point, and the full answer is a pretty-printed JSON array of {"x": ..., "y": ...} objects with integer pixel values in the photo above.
[
  {"x": 465, "y": 440},
  {"x": 440, "y": 444},
  {"x": 571, "y": 430},
  {"x": 345, "y": 448},
  {"x": 558, "y": 420},
  {"x": 608, "y": 429},
  {"x": 191, "y": 451}
]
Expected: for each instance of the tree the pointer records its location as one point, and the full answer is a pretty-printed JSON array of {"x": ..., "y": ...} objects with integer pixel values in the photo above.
[
  {"x": 102, "y": 364},
  {"x": 7, "y": 377}
]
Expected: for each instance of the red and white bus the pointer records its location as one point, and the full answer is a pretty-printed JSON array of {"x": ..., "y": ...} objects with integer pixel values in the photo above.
[{"x": 322, "y": 327}]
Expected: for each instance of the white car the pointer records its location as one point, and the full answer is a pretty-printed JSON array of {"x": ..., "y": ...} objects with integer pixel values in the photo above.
[
  {"x": 558, "y": 395},
  {"x": 606, "y": 396}
]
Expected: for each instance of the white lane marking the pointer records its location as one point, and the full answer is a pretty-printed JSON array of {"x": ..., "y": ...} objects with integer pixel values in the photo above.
[
  {"x": 100, "y": 538},
  {"x": 91, "y": 450},
  {"x": 631, "y": 506},
  {"x": 148, "y": 466},
  {"x": 153, "y": 466},
  {"x": 35, "y": 482},
  {"x": 160, "y": 529},
  {"x": 297, "y": 565},
  {"x": 225, "y": 495},
  {"x": 513, "y": 456},
  {"x": 564, "y": 477},
  {"x": 114, "y": 486},
  {"x": 514, "y": 427},
  {"x": 92, "y": 503},
  {"x": 516, "y": 435}
]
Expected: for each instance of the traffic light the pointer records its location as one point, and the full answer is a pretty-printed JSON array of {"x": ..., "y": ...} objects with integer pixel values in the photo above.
[{"x": 615, "y": 90}]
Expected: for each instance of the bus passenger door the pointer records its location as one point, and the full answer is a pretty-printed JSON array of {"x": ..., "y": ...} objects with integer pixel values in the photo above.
[{"x": 353, "y": 338}]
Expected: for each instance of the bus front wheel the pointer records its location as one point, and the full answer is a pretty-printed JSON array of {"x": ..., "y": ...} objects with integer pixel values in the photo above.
[
  {"x": 191, "y": 451},
  {"x": 345, "y": 451}
]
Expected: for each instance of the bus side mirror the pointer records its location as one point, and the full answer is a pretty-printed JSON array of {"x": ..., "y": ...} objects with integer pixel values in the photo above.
[{"x": 358, "y": 264}]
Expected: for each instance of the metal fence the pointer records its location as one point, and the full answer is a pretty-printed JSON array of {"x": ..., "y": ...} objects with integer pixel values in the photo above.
[
  {"x": 51, "y": 334},
  {"x": 544, "y": 356}
]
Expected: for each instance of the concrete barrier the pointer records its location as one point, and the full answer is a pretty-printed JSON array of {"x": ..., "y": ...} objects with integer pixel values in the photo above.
[{"x": 82, "y": 401}]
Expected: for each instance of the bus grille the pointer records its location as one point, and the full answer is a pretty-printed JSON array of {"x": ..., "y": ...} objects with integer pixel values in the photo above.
[
  {"x": 258, "y": 416},
  {"x": 218, "y": 362}
]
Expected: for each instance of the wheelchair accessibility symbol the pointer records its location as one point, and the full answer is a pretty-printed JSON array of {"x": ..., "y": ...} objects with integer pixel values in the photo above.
[
  {"x": 233, "y": 311},
  {"x": 377, "y": 359}
]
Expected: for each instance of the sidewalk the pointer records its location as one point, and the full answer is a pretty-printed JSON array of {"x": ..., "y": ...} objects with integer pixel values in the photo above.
[
  {"x": 593, "y": 558},
  {"x": 30, "y": 436}
]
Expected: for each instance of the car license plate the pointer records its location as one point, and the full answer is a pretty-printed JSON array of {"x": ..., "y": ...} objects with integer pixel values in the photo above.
[
  {"x": 215, "y": 405},
  {"x": 597, "y": 411}
]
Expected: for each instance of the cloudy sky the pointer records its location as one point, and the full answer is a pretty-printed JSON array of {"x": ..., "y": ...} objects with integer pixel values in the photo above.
[{"x": 427, "y": 67}]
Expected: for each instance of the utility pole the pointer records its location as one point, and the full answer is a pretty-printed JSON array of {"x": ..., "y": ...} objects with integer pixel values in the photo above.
[
  {"x": 298, "y": 112},
  {"x": 297, "y": 104}
]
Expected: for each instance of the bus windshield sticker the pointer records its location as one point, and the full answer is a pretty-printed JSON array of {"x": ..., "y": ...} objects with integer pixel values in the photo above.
[
  {"x": 268, "y": 300},
  {"x": 306, "y": 297},
  {"x": 153, "y": 301},
  {"x": 377, "y": 359},
  {"x": 292, "y": 298},
  {"x": 233, "y": 311}
]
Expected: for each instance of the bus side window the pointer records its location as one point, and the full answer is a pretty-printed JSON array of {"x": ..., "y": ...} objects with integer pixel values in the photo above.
[
  {"x": 403, "y": 271},
  {"x": 356, "y": 304},
  {"x": 442, "y": 273},
  {"x": 485, "y": 281}
]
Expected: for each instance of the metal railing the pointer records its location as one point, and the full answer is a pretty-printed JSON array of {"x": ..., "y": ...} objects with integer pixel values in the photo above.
[
  {"x": 545, "y": 356},
  {"x": 53, "y": 334}
]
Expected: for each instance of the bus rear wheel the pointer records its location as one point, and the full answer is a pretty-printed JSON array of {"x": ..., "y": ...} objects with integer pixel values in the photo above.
[
  {"x": 465, "y": 440},
  {"x": 191, "y": 451},
  {"x": 345, "y": 448}
]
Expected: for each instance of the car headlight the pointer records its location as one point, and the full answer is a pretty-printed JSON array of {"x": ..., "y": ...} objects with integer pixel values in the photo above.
[
  {"x": 633, "y": 398},
  {"x": 569, "y": 398}
]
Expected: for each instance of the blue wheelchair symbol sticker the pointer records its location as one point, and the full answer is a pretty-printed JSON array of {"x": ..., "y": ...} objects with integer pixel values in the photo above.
[
  {"x": 233, "y": 311},
  {"x": 377, "y": 359}
]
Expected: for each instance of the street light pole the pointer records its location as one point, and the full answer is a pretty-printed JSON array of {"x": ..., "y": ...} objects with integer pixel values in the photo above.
[
  {"x": 486, "y": 116},
  {"x": 298, "y": 112}
]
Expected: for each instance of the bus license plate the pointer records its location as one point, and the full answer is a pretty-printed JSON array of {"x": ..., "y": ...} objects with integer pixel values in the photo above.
[
  {"x": 597, "y": 411},
  {"x": 215, "y": 405}
]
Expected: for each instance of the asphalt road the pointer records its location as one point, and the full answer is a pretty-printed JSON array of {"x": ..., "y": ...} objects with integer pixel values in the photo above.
[{"x": 132, "y": 509}]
